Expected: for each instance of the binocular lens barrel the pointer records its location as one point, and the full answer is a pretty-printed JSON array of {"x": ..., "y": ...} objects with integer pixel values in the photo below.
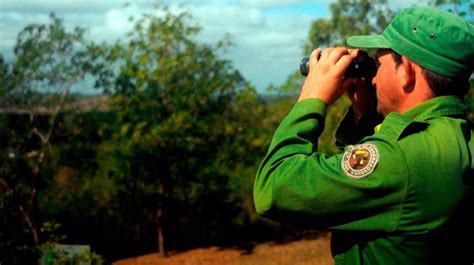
[{"x": 304, "y": 66}]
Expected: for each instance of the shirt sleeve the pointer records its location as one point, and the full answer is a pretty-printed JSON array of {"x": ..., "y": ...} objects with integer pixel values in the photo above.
[{"x": 296, "y": 184}]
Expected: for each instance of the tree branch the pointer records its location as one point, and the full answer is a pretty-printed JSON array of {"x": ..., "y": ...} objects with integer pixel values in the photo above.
[{"x": 31, "y": 225}]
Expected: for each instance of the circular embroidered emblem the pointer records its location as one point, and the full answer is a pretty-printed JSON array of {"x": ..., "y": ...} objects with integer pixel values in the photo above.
[{"x": 359, "y": 161}]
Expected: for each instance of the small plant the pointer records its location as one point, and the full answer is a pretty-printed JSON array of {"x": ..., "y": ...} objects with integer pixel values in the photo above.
[{"x": 57, "y": 254}]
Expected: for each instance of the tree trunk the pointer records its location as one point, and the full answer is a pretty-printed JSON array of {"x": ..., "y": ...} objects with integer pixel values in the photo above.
[
  {"x": 160, "y": 234},
  {"x": 32, "y": 217},
  {"x": 160, "y": 218}
]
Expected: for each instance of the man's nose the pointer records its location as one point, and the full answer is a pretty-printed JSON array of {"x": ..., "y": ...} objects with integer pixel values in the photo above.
[{"x": 374, "y": 81}]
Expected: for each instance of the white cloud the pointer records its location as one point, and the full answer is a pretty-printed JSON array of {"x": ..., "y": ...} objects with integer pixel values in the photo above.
[
  {"x": 269, "y": 39},
  {"x": 396, "y": 5},
  {"x": 114, "y": 24},
  {"x": 227, "y": 16},
  {"x": 62, "y": 6},
  {"x": 11, "y": 24},
  {"x": 267, "y": 44}
]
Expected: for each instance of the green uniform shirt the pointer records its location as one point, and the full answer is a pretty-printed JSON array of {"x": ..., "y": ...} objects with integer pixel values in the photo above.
[{"x": 410, "y": 202}]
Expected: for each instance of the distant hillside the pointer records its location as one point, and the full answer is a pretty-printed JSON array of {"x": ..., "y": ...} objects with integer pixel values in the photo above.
[
  {"x": 81, "y": 103},
  {"x": 88, "y": 103},
  {"x": 84, "y": 103}
]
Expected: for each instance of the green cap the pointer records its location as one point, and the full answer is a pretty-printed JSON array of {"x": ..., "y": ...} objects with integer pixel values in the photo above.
[{"x": 434, "y": 39}]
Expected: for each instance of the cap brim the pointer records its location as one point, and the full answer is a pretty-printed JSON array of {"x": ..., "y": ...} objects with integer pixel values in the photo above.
[{"x": 370, "y": 41}]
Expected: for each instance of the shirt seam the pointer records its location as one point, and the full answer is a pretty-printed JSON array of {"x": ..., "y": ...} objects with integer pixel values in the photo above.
[
  {"x": 423, "y": 118},
  {"x": 406, "y": 182}
]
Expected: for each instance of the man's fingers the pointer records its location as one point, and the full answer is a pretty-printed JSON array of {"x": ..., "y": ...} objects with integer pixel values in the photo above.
[
  {"x": 314, "y": 57},
  {"x": 339, "y": 58},
  {"x": 343, "y": 63},
  {"x": 356, "y": 51},
  {"x": 326, "y": 74},
  {"x": 326, "y": 53},
  {"x": 336, "y": 55}
]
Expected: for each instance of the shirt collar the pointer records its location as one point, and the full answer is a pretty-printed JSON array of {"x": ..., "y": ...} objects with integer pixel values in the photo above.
[{"x": 436, "y": 107}]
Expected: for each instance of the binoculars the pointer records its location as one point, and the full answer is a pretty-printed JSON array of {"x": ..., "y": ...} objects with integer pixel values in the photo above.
[{"x": 362, "y": 66}]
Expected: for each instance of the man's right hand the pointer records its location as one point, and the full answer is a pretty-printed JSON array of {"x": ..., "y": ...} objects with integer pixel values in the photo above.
[{"x": 325, "y": 77}]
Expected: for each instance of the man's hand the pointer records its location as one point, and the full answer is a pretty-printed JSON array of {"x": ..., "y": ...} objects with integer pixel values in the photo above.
[{"x": 325, "y": 77}]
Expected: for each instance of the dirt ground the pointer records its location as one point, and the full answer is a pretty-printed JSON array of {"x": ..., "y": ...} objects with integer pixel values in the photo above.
[{"x": 301, "y": 252}]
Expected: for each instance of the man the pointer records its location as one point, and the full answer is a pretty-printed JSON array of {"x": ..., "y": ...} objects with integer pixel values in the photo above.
[{"x": 402, "y": 194}]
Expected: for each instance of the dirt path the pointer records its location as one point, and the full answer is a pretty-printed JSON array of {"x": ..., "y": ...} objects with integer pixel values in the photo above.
[{"x": 307, "y": 251}]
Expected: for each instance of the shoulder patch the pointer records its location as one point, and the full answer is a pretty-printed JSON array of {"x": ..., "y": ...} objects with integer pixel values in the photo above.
[{"x": 360, "y": 160}]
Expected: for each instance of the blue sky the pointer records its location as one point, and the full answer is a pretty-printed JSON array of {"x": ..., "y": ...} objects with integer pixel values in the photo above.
[{"x": 267, "y": 34}]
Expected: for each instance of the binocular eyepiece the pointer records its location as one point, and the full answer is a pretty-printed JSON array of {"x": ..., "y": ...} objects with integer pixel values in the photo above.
[{"x": 362, "y": 66}]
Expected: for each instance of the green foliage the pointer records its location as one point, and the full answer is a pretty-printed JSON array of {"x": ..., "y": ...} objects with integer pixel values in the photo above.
[
  {"x": 463, "y": 8},
  {"x": 51, "y": 229},
  {"x": 48, "y": 61},
  {"x": 179, "y": 129},
  {"x": 15, "y": 240},
  {"x": 348, "y": 17},
  {"x": 15, "y": 173},
  {"x": 292, "y": 84},
  {"x": 56, "y": 256},
  {"x": 334, "y": 115}
]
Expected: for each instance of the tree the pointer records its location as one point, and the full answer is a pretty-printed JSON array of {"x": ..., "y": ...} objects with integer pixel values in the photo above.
[
  {"x": 463, "y": 8},
  {"x": 48, "y": 61},
  {"x": 175, "y": 100},
  {"x": 348, "y": 18}
]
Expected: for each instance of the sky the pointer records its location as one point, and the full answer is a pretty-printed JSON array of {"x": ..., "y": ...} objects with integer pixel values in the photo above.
[{"x": 267, "y": 35}]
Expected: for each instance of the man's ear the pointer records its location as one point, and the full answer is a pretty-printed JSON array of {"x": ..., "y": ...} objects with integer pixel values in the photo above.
[{"x": 406, "y": 73}]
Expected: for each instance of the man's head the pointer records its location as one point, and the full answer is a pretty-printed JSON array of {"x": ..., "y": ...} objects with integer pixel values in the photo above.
[{"x": 439, "y": 43}]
